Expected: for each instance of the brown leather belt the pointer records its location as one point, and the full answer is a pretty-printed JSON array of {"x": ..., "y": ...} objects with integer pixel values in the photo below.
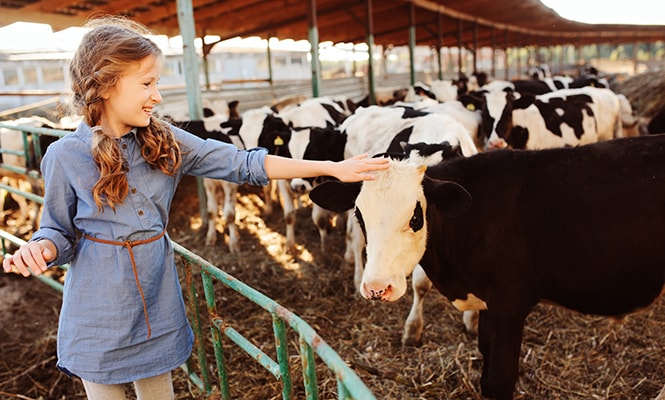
[{"x": 129, "y": 244}]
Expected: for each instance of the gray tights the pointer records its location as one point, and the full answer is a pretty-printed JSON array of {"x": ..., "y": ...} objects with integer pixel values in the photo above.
[{"x": 155, "y": 388}]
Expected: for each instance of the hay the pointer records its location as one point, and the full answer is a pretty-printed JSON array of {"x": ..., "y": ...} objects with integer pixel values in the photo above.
[{"x": 645, "y": 91}]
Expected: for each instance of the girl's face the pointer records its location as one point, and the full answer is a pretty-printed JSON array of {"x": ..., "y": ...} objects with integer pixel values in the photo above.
[{"x": 131, "y": 101}]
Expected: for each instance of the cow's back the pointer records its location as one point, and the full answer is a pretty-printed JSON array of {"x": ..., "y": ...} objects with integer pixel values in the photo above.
[{"x": 583, "y": 227}]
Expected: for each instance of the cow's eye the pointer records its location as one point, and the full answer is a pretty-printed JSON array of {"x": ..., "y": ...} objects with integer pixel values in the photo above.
[{"x": 417, "y": 220}]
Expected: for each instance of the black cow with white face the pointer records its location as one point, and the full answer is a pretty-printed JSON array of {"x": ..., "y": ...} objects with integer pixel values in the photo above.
[{"x": 581, "y": 227}]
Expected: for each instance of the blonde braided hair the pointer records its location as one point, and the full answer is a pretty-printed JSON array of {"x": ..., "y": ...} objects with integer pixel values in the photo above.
[{"x": 105, "y": 52}]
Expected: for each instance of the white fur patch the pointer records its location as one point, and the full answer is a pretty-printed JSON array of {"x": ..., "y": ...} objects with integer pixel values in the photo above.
[{"x": 471, "y": 303}]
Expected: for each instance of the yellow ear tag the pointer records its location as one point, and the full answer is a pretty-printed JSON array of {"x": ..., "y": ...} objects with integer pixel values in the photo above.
[
  {"x": 278, "y": 141},
  {"x": 471, "y": 107}
]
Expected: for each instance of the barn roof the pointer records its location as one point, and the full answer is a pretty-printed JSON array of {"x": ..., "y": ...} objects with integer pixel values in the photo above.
[{"x": 485, "y": 22}]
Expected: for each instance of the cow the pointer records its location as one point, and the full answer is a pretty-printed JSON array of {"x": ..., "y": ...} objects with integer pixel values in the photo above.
[
  {"x": 463, "y": 112},
  {"x": 322, "y": 144},
  {"x": 376, "y": 129},
  {"x": 217, "y": 192},
  {"x": 384, "y": 97},
  {"x": 579, "y": 227},
  {"x": 254, "y": 128},
  {"x": 532, "y": 86},
  {"x": 567, "y": 117},
  {"x": 317, "y": 111},
  {"x": 446, "y": 90},
  {"x": 314, "y": 137},
  {"x": 428, "y": 137},
  {"x": 439, "y": 90},
  {"x": 179, "y": 110}
]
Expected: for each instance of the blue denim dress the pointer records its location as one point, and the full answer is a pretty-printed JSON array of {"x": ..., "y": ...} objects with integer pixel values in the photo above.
[{"x": 121, "y": 320}]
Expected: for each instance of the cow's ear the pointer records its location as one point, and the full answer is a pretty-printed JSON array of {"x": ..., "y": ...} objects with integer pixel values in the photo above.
[
  {"x": 449, "y": 197},
  {"x": 524, "y": 101},
  {"x": 336, "y": 196},
  {"x": 231, "y": 127},
  {"x": 471, "y": 102}
]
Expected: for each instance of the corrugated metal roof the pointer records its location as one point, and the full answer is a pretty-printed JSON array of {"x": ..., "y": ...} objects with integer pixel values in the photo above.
[{"x": 476, "y": 22}]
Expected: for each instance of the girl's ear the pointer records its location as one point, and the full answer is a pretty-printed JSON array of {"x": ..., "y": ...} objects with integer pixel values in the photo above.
[{"x": 105, "y": 94}]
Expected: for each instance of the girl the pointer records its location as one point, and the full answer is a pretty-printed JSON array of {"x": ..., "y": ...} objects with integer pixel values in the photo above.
[{"x": 109, "y": 187}]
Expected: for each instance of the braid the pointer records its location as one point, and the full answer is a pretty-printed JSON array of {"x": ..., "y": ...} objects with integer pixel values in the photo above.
[
  {"x": 112, "y": 186},
  {"x": 159, "y": 147}
]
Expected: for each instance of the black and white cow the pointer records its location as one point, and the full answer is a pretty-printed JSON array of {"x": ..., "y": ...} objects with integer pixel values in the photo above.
[
  {"x": 255, "y": 127},
  {"x": 314, "y": 137},
  {"x": 178, "y": 110},
  {"x": 321, "y": 144},
  {"x": 532, "y": 86},
  {"x": 316, "y": 111},
  {"x": 439, "y": 90},
  {"x": 567, "y": 117},
  {"x": 581, "y": 227}
]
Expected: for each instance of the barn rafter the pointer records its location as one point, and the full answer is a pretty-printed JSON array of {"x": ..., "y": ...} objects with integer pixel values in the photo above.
[{"x": 483, "y": 22}]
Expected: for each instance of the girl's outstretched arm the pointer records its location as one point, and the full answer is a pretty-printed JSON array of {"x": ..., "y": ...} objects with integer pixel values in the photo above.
[{"x": 350, "y": 170}]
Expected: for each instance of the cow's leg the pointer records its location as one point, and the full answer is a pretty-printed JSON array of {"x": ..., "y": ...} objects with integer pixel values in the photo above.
[
  {"x": 413, "y": 327},
  {"x": 229, "y": 214},
  {"x": 286, "y": 195},
  {"x": 28, "y": 210},
  {"x": 499, "y": 341},
  {"x": 322, "y": 219},
  {"x": 3, "y": 196},
  {"x": 212, "y": 188},
  {"x": 470, "y": 319},
  {"x": 268, "y": 198}
]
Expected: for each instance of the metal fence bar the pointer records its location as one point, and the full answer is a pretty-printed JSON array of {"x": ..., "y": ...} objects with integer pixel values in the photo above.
[
  {"x": 281, "y": 345},
  {"x": 349, "y": 384},
  {"x": 39, "y": 131},
  {"x": 27, "y": 195},
  {"x": 308, "y": 369}
]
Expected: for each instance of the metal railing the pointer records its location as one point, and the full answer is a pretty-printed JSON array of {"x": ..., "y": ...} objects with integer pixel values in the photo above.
[{"x": 349, "y": 385}]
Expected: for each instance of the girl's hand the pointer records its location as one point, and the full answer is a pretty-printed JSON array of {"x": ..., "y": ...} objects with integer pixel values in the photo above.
[
  {"x": 355, "y": 169},
  {"x": 30, "y": 258}
]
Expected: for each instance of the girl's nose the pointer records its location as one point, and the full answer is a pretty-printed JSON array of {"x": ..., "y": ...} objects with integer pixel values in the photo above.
[{"x": 156, "y": 96}]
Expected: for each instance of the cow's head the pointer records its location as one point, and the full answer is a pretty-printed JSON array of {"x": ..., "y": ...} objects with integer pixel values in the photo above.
[
  {"x": 392, "y": 213},
  {"x": 259, "y": 127},
  {"x": 497, "y": 107}
]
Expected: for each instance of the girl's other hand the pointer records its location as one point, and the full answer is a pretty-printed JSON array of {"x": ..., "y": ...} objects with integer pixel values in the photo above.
[{"x": 30, "y": 258}]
